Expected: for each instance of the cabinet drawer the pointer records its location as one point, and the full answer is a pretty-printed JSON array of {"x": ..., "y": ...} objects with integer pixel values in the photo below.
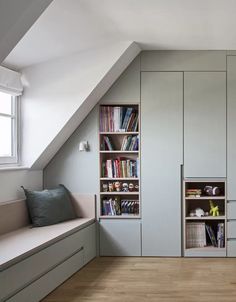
[
  {"x": 45, "y": 284},
  {"x": 231, "y": 229},
  {"x": 231, "y": 210},
  {"x": 22, "y": 273},
  {"x": 231, "y": 248}
]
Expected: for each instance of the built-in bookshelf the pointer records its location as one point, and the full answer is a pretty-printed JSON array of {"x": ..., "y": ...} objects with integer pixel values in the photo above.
[
  {"x": 119, "y": 140},
  {"x": 204, "y": 217}
]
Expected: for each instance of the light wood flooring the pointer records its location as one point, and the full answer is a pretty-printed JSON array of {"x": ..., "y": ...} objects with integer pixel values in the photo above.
[{"x": 109, "y": 279}]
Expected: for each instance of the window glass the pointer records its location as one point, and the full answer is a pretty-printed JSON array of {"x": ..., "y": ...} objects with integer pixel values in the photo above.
[
  {"x": 5, "y": 103},
  {"x": 5, "y": 136}
]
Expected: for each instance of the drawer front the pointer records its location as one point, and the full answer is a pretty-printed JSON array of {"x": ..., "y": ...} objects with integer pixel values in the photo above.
[
  {"x": 231, "y": 210},
  {"x": 44, "y": 285},
  {"x": 231, "y": 248},
  {"x": 89, "y": 240},
  {"x": 20, "y": 274},
  {"x": 231, "y": 229}
]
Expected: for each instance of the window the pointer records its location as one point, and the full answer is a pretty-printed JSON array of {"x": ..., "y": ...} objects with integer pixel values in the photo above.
[{"x": 8, "y": 128}]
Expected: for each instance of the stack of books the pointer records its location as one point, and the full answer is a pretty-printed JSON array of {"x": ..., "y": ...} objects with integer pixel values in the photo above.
[
  {"x": 115, "y": 119},
  {"x": 116, "y": 207},
  {"x": 120, "y": 168},
  {"x": 219, "y": 240},
  {"x": 130, "y": 143},
  {"x": 220, "y": 235},
  {"x": 195, "y": 234},
  {"x": 107, "y": 143},
  {"x": 211, "y": 235},
  {"x": 193, "y": 193}
]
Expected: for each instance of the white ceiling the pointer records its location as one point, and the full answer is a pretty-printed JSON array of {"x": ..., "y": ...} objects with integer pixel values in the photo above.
[{"x": 69, "y": 26}]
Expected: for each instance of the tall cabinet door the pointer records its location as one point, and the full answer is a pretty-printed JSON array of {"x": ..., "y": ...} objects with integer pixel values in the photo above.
[
  {"x": 162, "y": 156},
  {"x": 231, "y": 130},
  {"x": 204, "y": 124}
]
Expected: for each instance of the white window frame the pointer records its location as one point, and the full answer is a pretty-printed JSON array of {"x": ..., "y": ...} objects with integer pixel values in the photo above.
[{"x": 13, "y": 159}]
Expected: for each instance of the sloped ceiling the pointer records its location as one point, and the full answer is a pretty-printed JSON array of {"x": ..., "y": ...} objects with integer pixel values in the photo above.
[
  {"x": 16, "y": 17},
  {"x": 77, "y": 49},
  {"x": 69, "y": 26},
  {"x": 59, "y": 94}
]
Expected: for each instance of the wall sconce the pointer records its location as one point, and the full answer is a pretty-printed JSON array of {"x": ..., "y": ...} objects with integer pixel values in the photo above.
[{"x": 83, "y": 146}]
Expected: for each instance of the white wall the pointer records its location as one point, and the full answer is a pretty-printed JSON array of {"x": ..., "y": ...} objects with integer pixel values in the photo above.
[
  {"x": 11, "y": 180},
  {"x": 79, "y": 171},
  {"x": 16, "y": 17},
  {"x": 59, "y": 94}
]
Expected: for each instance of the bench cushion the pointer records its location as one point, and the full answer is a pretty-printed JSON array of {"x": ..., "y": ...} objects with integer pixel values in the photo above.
[
  {"x": 49, "y": 206},
  {"x": 17, "y": 245}
]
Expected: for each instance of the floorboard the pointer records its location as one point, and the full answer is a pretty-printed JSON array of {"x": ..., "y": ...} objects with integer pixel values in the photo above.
[{"x": 129, "y": 279}]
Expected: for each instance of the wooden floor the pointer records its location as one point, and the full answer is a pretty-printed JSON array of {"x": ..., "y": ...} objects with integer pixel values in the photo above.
[{"x": 151, "y": 279}]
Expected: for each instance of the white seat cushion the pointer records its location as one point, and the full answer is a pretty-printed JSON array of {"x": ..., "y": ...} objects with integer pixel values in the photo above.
[{"x": 17, "y": 245}]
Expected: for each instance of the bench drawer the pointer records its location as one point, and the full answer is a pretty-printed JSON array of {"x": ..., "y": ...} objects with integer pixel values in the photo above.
[
  {"x": 231, "y": 248},
  {"x": 231, "y": 210},
  {"x": 44, "y": 285},
  {"x": 19, "y": 275},
  {"x": 231, "y": 226}
]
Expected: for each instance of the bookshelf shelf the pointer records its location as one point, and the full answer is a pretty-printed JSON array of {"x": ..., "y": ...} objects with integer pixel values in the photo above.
[
  {"x": 118, "y": 133},
  {"x": 119, "y": 178},
  {"x": 120, "y": 217},
  {"x": 207, "y": 251},
  {"x": 206, "y": 218},
  {"x": 119, "y": 151},
  {"x": 119, "y": 193},
  {"x": 206, "y": 198},
  {"x": 204, "y": 236},
  {"x": 119, "y": 162}
]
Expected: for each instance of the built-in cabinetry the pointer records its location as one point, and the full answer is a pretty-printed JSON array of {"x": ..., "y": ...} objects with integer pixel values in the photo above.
[
  {"x": 204, "y": 217},
  {"x": 162, "y": 157},
  {"x": 205, "y": 124},
  {"x": 119, "y": 161},
  {"x": 231, "y": 153},
  {"x": 119, "y": 203},
  {"x": 120, "y": 237}
]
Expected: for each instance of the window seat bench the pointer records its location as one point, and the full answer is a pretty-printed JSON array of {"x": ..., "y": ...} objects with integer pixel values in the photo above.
[{"x": 34, "y": 261}]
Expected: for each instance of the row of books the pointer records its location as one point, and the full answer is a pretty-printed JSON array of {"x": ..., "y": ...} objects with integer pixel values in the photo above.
[
  {"x": 116, "y": 168},
  {"x": 193, "y": 192},
  {"x": 129, "y": 143},
  {"x": 220, "y": 234},
  {"x": 115, "y": 206},
  {"x": 115, "y": 119},
  {"x": 197, "y": 232}
]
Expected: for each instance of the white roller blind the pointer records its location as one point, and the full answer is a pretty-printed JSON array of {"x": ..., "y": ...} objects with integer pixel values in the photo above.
[{"x": 10, "y": 81}]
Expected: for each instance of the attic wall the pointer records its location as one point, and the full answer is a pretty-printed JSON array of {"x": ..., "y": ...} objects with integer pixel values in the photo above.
[
  {"x": 12, "y": 180},
  {"x": 59, "y": 94},
  {"x": 16, "y": 17},
  {"x": 79, "y": 171}
]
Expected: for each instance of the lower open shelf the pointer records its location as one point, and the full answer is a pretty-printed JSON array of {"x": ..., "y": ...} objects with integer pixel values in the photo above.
[
  {"x": 208, "y": 251},
  {"x": 128, "y": 216}
]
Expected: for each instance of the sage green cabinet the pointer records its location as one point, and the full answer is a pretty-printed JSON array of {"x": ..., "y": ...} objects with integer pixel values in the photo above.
[
  {"x": 205, "y": 124},
  {"x": 161, "y": 159},
  {"x": 231, "y": 127}
]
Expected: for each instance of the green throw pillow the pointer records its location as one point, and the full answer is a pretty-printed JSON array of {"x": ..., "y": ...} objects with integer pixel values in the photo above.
[{"x": 49, "y": 206}]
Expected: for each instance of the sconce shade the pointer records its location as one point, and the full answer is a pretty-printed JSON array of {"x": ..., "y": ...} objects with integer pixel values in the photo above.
[{"x": 83, "y": 146}]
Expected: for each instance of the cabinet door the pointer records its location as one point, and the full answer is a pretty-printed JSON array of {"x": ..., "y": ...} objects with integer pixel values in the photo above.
[
  {"x": 204, "y": 124},
  {"x": 161, "y": 159},
  {"x": 120, "y": 237},
  {"x": 231, "y": 127}
]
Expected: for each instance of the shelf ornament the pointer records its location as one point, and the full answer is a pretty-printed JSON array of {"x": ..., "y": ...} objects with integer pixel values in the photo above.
[{"x": 214, "y": 210}]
